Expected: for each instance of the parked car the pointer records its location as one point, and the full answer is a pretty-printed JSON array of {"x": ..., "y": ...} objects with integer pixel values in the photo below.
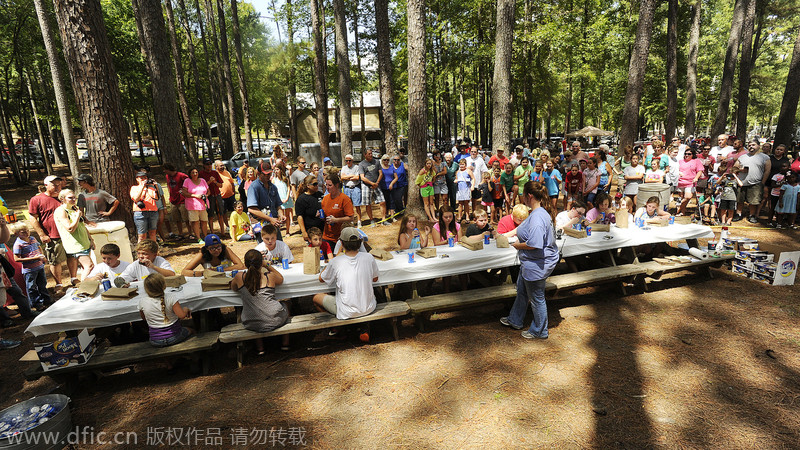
[
  {"x": 238, "y": 160},
  {"x": 81, "y": 144},
  {"x": 83, "y": 155}
]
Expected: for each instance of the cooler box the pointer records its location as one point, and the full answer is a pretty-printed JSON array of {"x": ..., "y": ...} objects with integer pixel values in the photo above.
[
  {"x": 647, "y": 190},
  {"x": 111, "y": 232}
]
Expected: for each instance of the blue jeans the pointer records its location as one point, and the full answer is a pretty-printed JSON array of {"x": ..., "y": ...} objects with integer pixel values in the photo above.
[
  {"x": 36, "y": 284},
  {"x": 20, "y": 300},
  {"x": 530, "y": 292}
]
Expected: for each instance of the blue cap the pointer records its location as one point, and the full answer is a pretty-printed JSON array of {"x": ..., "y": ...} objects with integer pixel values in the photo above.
[
  {"x": 326, "y": 159},
  {"x": 212, "y": 239}
]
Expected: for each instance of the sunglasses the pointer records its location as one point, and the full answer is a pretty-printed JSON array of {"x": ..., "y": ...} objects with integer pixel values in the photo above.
[
  {"x": 397, "y": 160},
  {"x": 315, "y": 184}
]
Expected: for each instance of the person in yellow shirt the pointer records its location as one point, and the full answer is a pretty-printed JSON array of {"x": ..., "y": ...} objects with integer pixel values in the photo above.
[{"x": 240, "y": 224}]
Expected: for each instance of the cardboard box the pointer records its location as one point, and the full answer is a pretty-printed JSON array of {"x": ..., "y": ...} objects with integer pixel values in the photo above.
[
  {"x": 786, "y": 262},
  {"x": 66, "y": 352},
  {"x": 742, "y": 270}
]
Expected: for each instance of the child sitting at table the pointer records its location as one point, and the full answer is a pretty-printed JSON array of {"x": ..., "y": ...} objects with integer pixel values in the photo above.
[
  {"x": 163, "y": 313},
  {"x": 409, "y": 236},
  {"x": 261, "y": 312},
  {"x": 240, "y": 224},
  {"x": 508, "y": 224},
  {"x": 446, "y": 227},
  {"x": 315, "y": 240},
  {"x": 650, "y": 212},
  {"x": 480, "y": 226},
  {"x": 27, "y": 252},
  {"x": 148, "y": 262},
  {"x": 572, "y": 216},
  {"x": 602, "y": 212},
  {"x": 352, "y": 275},
  {"x": 111, "y": 267},
  {"x": 213, "y": 255},
  {"x": 274, "y": 251}
]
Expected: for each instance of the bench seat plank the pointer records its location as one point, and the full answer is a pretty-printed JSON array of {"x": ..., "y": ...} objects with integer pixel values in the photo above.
[
  {"x": 655, "y": 270},
  {"x": 315, "y": 321},
  {"x": 120, "y": 355}
]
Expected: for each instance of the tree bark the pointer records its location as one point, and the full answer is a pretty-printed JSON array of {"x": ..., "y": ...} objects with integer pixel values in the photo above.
[
  {"x": 417, "y": 93},
  {"x": 178, "y": 66},
  {"x": 461, "y": 102},
  {"x": 45, "y": 157},
  {"x": 292, "y": 79},
  {"x": 237, "y": 46},
  {"x": 501, "y": 87},
  {"x": 59, "y": 89},
  {"x": 94, "y": 81},
  {"x": 236, "y": 138},
  {"x": 786, "y": 119},
  {"x": 195, "y": 73},
  {"x": 636, "y": 70},
  {"x": 216, "y": 105},
  {"x": 731, "y": 52},
  {"x": 361, "y": 112},
  {"x": 691, "y": 70},
  {"x": 385, "y": 76},
  {"x": 745, "y": 69},
  {"x": 481, "y": 129},
  {"x": 223, "y": 112},
  {"x": 672, "y": 70},
  {"x": 320, "y": 83},
  {"x": 154, "y": 42},
  {"x": 343, "y": 64}
]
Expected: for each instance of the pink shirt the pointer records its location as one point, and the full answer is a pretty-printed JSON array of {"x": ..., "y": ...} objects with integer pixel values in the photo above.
[
  {"x": 689, "y": 170},
  {"x": 449, "y": 233},
  {"x": 195, "y": 204},
  {"x": 506, "y": 224}
]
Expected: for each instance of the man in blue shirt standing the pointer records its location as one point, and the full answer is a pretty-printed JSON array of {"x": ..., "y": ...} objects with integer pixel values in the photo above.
[{"x": 263, "y": 200}]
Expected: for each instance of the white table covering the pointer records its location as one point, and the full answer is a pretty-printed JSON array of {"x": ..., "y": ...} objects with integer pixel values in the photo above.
[{"x": 68, "y": 314}]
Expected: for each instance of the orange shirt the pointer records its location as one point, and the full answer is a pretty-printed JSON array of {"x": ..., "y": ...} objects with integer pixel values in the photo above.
[
  {"x": 341, "y": 206},
  {"x": 226, "y": 190},
  {"x": 149, "y": 198}
]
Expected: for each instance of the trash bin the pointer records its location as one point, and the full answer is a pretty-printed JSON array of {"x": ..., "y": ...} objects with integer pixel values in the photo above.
[
  {"x": 111, "y": 232},
  {"x": 647, "y": 190},
  {"x": 38, "y": 423}
]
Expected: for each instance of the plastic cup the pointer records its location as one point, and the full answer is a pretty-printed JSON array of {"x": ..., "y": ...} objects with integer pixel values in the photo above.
[
  {"x": 220, "y": 269},
  {"x": 588, "y": 231},
  {"x": 411, "y": 258},
  {"x": 451, "y": 242},
  {"x": 671, "y": 220},
  {"x": 485, "y": 238},
  {"x": 285, "y": 263}
]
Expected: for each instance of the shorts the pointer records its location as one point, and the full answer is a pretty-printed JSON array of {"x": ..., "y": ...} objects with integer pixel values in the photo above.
[
  {"x": 371, "y": 195},
  {"x": 215, "y": 205},
  {"x": 145, "y": 221},
  {"x": 329, "y": 303},
  {"x": 426, "y": 191},
  {"x": 476, "y": 194},
  {"x": 201, "y": 215},
  {"x": 354, "y": 194},
  {"x": 554, "y": 196},
  {"x": 487, "y": 204},
  {"x": 751, "y": 195},
  {"x": 727, "y": 204},
  {"x": 499, "y": 202},
  {"x": 178, "y": 213},
  {"x": 230, "y": 201},
  {"x": 80, "y": 253},
  {"x": 54, "y": 251},
  {"x": 179, "y": 337},
  {"x": 462, "y": 195},
  {"x": 440, "y": 189},
  {"x": 590, "y": 197}
]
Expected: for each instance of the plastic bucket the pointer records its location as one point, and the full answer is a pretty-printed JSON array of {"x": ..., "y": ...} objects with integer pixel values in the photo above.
[
  {"x": 37, "y": 433},
  {"x": 111, "y": 232},
  {"x": 647, "y": 190}
]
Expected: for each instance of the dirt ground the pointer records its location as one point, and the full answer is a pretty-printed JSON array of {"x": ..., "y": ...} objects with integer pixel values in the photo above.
[{"x": 695, "y": 362}]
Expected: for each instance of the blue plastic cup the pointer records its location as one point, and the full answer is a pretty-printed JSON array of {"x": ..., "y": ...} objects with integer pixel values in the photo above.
[
  {"x": 588, "y": 231},
  {"x": 671, "y": 220},
  {"x": 411, "y": 257},
  {"x": 485, "y": 238},
  {"x": 451, "y": 242},
  {"x": 106, "y": 285},
  {"x": 220, "y": 269},
  {"x": 285, "y": 263}
]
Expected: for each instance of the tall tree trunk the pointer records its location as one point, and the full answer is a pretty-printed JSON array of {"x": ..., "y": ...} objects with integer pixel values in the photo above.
[
  {"x": 417, "y": 93},
  {"x": 480, "y": 136},
  {"x": 154, "y": 42},
  {"x": 501, "y": 86},
  {"x": 59, "y": 89},
  {"x": 385, "y": 75},
  {"x": 45, "y": 157},
  {"x": 223, "y": 113},
  {"x": 744, "y": 69},
  {"x": 785, "y": 125},
  {"x": 320, "y": 79},
  {"x": 292, "y": 79},
  {"x": 446, "y": 112},
  {"x": 343, "y": 64},
  {"x": 691, "y": 69},
  {"x": 237, "y": 46},
  {"x": 236, "y": 137},
  {"x": 196, "y": 72},
  {"x": 11, "y": 154},
  {"x": 636, "y": 70},
  {"x": 568, "y": 114},
  {"x": 361, "y": 114},
  {"x": 461, "y": 101},
  {"x": 178, "y": 66},
  {"x": 728, "y": 70},
  {"x": 672, "y": 70},
  {"x": 94, "y": 81}
]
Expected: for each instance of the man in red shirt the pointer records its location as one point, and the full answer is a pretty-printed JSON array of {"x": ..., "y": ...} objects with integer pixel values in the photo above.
[
  {"x": 177, "y": 213},
  {"x": 499, "y": 156},
  {"x": 215, "y": 203},
  {"x": 41, "y": 208}
]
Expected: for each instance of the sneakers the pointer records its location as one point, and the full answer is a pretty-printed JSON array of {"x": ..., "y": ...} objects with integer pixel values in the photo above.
[
  {"x": 527, "y": 335},
  {"x": 752, "y": 219},
  {"x": 6, "y": 344},
  {"x": 504, "y": 321},
  {"x": 333, "y": 332},
  {"x": 737, "y": 217}
]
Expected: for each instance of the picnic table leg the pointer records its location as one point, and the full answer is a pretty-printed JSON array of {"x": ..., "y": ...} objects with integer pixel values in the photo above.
[
  {"x": 239, "y": 354},
  {"x": 414, "y": 293},
  {"x": 611, "y": 256},
  {"x": 388, "y": 293},
  {"x": 206, "y": 363},
  {"x": 394, "y": 329}
]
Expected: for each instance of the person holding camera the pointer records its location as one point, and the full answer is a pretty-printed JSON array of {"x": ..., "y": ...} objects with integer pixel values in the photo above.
[
  {"x": 145, "y": 209},
  {"x": 195, "y": 191}
]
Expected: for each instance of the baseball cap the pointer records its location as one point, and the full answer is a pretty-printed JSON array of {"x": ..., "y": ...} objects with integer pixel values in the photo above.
[
  {"x": 265, "y": 167},
  {"x": 207, "y": 161},
  {"x": 350, "y": 234},
  {"x": 141, "y": 173},
  {"x": 51, "y": 178},
  {"x": 348, "y": 157},
  {"x": 326, "y": 159},
  {"x": 85, "y": 177},
  {"x": 212, "y": 239}
]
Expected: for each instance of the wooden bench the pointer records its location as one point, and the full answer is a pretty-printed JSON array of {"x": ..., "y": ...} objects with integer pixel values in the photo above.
[
  {"x": 310, "y": 322},
  {"x": 655, "y": 271},
  {"x": 423, "y": 307},
  {"x": 123, "y": 355}
]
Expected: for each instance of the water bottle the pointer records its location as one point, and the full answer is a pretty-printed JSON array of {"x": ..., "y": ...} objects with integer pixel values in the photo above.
[{"x": 722, "y": 237}]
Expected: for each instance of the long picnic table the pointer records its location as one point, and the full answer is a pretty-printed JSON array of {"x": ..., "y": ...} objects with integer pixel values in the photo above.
[{"x": 70, "y": 314}]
